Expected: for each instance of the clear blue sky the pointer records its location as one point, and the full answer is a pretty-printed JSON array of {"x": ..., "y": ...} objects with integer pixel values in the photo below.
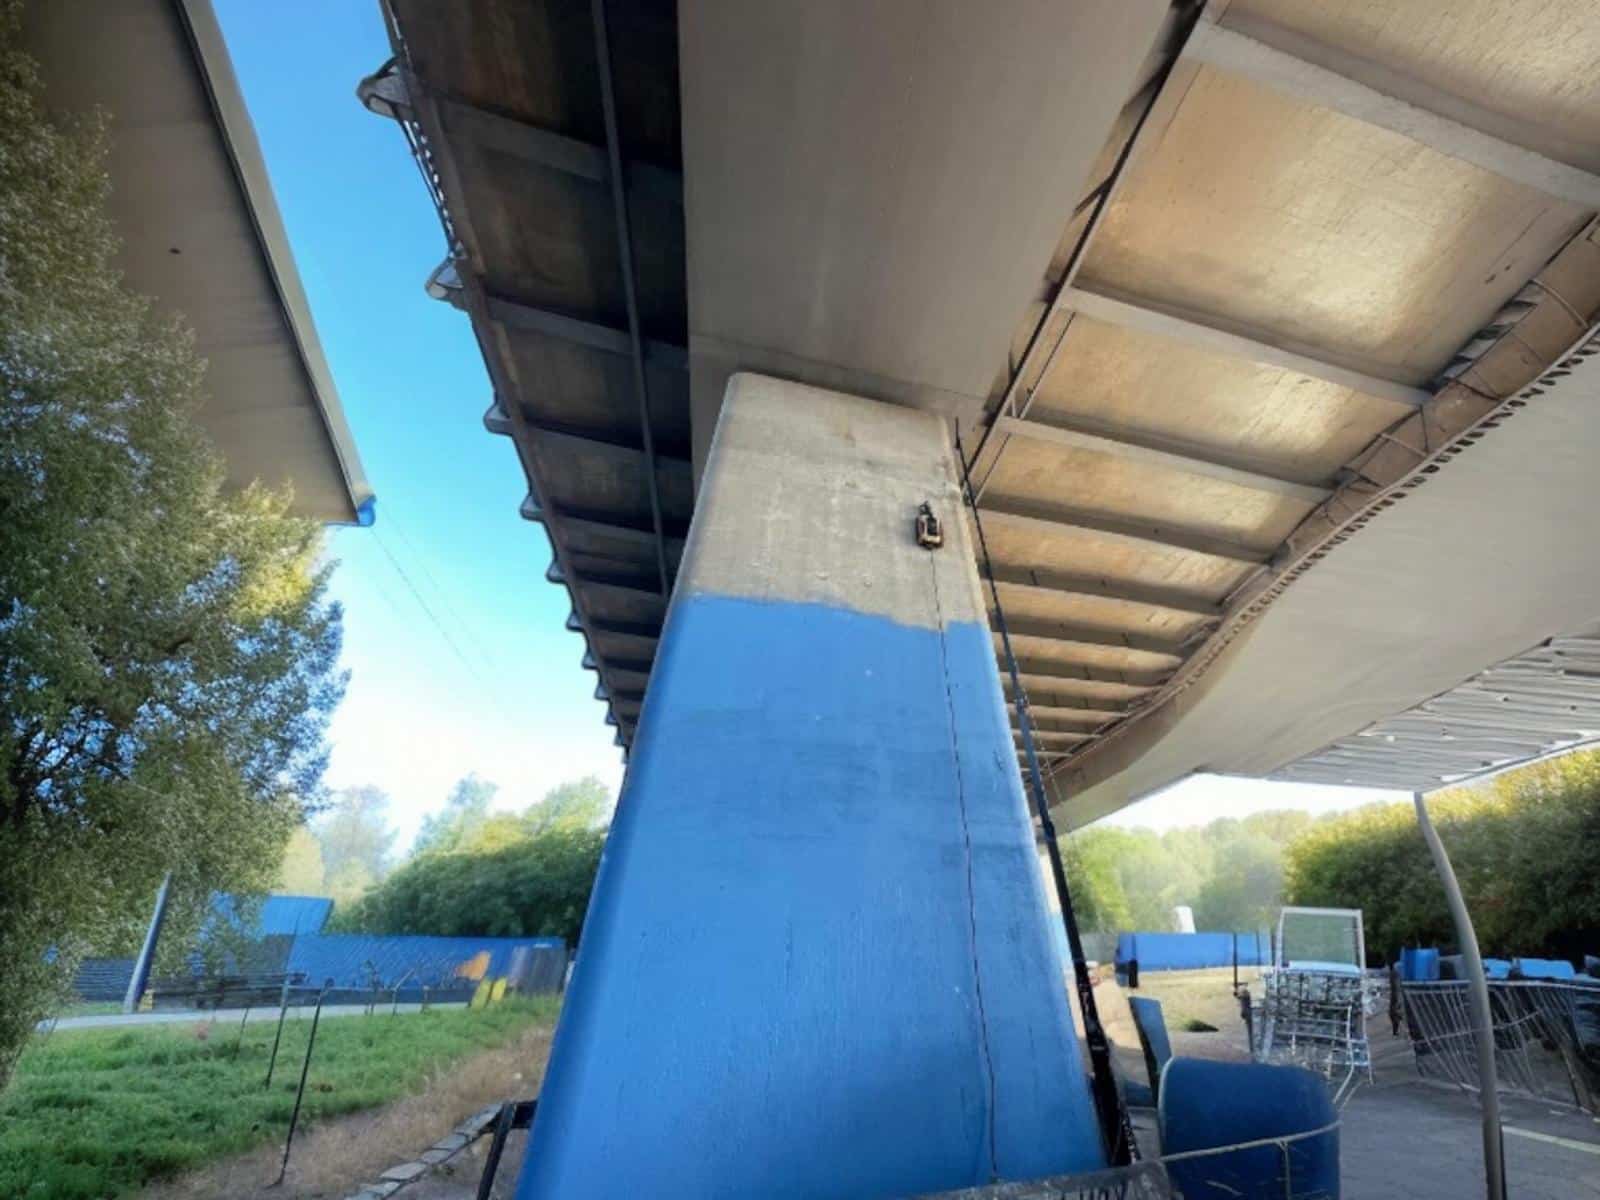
[
  {"x": 500, "y": 692},
  {"x": 518, "y": 710}
]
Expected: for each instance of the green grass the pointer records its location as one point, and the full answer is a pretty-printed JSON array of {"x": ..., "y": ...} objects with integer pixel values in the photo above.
[{"x": 98, "y": 1112}]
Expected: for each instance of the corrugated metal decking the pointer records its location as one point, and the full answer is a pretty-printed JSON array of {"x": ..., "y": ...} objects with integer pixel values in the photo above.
[{"x": 1536, "y": 704}]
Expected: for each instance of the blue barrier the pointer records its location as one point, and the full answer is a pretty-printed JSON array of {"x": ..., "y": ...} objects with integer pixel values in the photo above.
[
  {"x": 1190, "y": 951},
  {"x": 352, "y": 960},
  {"x": 1454, "y": 966},
  {"x": 270, "y": 916}
]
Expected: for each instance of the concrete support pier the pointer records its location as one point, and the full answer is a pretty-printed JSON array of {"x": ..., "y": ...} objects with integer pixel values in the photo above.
[{"x": 818, "y": 960}]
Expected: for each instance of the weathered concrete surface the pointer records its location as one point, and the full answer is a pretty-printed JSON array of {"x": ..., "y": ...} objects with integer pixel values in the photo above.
[
  {"x": 817, "y": 961},
  {"x": 813, "y": 503},
  {"x": 874, "y": 191}
]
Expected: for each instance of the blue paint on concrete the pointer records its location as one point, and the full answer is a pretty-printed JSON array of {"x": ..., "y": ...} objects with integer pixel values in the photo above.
[{"x": 818, "y": 960}]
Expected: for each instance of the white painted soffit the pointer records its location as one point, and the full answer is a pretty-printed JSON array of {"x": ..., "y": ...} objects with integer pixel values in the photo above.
[
  {"x": 202, "y": 236},
  {"x": 1469, "y": 566}
]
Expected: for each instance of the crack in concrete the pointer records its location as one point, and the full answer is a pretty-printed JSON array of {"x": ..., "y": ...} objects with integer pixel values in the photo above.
[{"x": 972, "y": 910}]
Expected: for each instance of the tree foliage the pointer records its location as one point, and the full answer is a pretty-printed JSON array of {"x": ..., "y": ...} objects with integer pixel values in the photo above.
[
  {"x": 168, "y": 658},
  {"x": 1230, "y": 872},
  {"x": 580, "y": 804},
  {"x": 302, "y": 872},
  {"x": 1523, "y": 847},
  {"x": 536, "y": 886},
  {"x": 465, "y": 810},
  {"x": 355, "y": 840},
  {"x": 502, "y": 874}
]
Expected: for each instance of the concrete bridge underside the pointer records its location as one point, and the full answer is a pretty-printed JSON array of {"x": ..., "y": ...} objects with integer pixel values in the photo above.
[
  {"x": 1205, "y": 293},
  {"x": 1263, "y": 330}
]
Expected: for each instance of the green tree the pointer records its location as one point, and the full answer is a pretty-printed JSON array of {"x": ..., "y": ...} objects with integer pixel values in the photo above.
[
  {"x": 526, "y": 874},
  {"x": 168, "y": 658},
  {"x": 1230, "y": 871},
  {"x": 494, "y": 832},
  {"x": 1098, "y": 900},
  {"x": 1522, "y": 846},
  {"x": 356, "y": 841},
  {"x": 1245, "y": 888},
  {"x": 581, "y": 804},
  {"x": 536, "y": 886},
  {"x": 302, "y": 872},
  {"x": 465, "y": 810}
]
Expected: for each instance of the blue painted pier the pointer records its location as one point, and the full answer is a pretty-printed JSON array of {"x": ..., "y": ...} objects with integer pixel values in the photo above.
[{"x": 818, "y": 961}]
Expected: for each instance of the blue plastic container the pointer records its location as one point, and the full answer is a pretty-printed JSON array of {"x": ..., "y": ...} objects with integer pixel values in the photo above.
[{"x": 1419, "y": 964}]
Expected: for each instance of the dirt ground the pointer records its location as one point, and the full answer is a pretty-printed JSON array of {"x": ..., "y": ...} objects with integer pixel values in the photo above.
[
  {"x": 334, "y": 1159},
  {"x": 1186, "y": 997}
]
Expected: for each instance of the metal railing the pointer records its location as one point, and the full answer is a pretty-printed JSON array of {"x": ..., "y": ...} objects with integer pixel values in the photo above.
[
  {"x": 1162, "y": 1177},
  {"x": 1546, "y": 1037}
]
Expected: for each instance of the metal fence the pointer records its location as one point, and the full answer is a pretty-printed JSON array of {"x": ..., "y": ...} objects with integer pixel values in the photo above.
[
  {"x": 1290, "y": 1166},
  {"x": 1546, "y": 1037}
]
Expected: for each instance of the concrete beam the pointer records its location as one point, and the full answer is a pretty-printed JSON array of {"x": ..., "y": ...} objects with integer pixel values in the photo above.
[
  {"x": 1091, "y": 717},
  {"x": 628, "y": 671},
  {"x": 632, "y": 629},
  {"x": 497, "y": 422},
  {"x": 555, "y": 151},
  {"x": 599, "y": 526},
  {"x": 1142, "y": 534},
  {"x": 515, "y": 315},
  {"x": 1076, "y": 707},
  {"x": 1062, "y": 583},
  {"x": 1080, "y": 635},
  {"x": 1143, "y": 317},
  {"x": 1038, "y": 673},
  {"x": 1054, "y": 735},
  {"x": 1190, "y": 460},
  {"x": 1421, "y": 121},
  {"x": 600, "y": 585}
]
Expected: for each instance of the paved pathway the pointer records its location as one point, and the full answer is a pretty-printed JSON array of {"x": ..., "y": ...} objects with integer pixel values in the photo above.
[{"x": 235, "y": 1015}]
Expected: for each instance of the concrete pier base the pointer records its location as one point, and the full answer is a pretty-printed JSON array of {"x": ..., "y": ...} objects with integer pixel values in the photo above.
[{"x": 817, "y": 961}]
